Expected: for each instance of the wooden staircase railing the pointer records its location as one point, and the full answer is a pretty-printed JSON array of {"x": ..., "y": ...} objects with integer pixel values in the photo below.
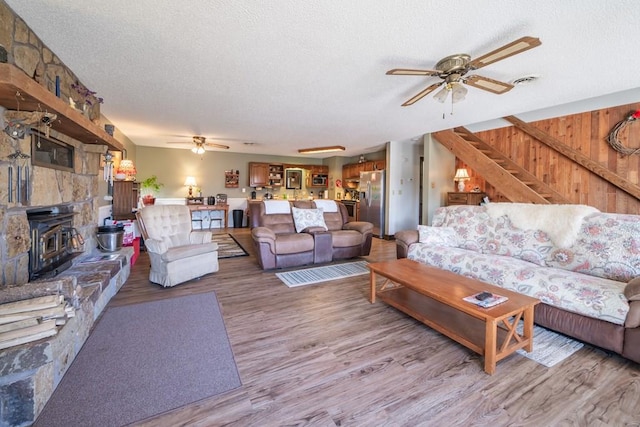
[
  {"x": 579, "y": 158},
  {"x": 513, "y": 181}
]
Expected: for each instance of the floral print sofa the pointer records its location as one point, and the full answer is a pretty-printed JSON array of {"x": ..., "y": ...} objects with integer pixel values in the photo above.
[{"x": 589, "y": 288}]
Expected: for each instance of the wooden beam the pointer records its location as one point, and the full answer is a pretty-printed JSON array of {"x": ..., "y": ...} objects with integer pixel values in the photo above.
[
  {"x": 577, "y": 157},
  {"x": 19, "y": 92}
]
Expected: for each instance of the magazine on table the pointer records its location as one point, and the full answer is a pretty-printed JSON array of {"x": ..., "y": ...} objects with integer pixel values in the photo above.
[{"x": 485, "y": 299}]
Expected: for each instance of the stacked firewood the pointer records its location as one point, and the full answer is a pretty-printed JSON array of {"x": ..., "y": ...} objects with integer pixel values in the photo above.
[{"x": 32, "y": 319}]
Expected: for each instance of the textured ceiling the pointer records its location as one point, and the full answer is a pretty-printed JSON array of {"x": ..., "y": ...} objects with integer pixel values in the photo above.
[{"x": 289, "y": 74}]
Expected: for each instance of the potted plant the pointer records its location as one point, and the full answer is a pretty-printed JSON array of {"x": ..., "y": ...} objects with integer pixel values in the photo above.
[{"x": 149, "y": 188}]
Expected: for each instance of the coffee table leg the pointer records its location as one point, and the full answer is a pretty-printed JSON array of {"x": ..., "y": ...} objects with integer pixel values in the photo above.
[
  {"x": 490, "y": 344},
  {"x": 372, "y": 282},
  {"x": 528, "y": 328}
]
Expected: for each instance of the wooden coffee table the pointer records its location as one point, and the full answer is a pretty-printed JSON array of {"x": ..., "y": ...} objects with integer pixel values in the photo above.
[{"x": 435, "y": 297}]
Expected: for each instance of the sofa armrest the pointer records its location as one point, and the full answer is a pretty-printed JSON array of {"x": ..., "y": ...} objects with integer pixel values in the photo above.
[
  {"x": 314, "y": 230},
  {"x": 187, "y": 251},
  {"x": 360, "y": 226},
  {"x": 200, "y": 237},
  {"x": 632, "y": 290},
  {"x": 404, "y": 239},
  {"x": 264, "y": 235},
  {"x": 633, "y": 316},
  {"x": 322, "y": 244},
  {"x": 155, "y": 246}
]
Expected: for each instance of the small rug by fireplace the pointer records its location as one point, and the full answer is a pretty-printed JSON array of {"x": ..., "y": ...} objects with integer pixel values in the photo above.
[
  {"x": 308, "y": 276},
  {"x": 228, "y": 247},
  {"x": 145, "y": 359}
]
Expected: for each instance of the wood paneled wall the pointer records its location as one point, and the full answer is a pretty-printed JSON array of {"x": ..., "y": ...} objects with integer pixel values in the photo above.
[{"x": 585, "y": 132}]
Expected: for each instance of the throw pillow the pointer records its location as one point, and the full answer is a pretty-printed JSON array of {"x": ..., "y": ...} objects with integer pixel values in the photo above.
[
  {"x": 305, "y": 218},
  {"x": 437, "y": 236}
]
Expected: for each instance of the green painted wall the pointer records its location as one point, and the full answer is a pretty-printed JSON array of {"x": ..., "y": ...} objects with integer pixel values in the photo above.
[{"x": 172, "y": 166}]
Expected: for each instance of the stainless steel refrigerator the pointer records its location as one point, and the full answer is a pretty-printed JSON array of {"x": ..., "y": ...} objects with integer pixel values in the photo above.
[{"x": 372, "y": 200}]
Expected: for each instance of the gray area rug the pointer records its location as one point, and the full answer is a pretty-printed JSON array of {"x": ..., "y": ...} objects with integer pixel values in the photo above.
[
  {"x": 549, "y": 348},
  {"x": 228, "y": 247},
  {"x": 145, "y": 359},
  {"x": 309, "y": 276}
]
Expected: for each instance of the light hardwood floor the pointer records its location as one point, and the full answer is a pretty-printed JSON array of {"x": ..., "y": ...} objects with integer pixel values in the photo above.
[{"x": 322, "y": 355}]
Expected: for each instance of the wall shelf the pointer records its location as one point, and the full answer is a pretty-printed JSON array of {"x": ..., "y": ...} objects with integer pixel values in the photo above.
[
  {"x": 19, "y": 92},
  {"x": 231, "y": 179}
]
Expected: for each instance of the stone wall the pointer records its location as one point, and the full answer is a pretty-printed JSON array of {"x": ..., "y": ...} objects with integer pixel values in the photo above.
[
  {"x": 23, "y": 48},
  {"x": 79, "y": 189}
]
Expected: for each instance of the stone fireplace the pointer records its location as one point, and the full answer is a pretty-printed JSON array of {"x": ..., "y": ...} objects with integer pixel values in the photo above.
[
  {"x": 53, "y": 239},
  {"x": 37, "y": 97},
  {"x": 75, "y": 191}
]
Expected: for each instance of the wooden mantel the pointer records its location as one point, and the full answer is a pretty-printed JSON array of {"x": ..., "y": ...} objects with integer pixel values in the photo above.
[{"x": 19, "y": 92}]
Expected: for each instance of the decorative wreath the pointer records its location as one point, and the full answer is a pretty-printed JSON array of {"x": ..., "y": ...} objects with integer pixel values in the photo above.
[{"x": 612, "y": 138}]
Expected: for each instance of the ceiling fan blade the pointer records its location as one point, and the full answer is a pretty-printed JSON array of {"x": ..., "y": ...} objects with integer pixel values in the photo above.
[
  {"x": 422, "y": 94},
  {"x": 513, "y": 48},
  {"x": 211, "y": 144},
  {"x": 488, "y": 84},
  {"x": 410, "y": 72}
]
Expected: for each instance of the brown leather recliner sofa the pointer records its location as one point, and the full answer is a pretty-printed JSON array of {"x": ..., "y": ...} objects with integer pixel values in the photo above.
[{"x": 279, "y": 244}]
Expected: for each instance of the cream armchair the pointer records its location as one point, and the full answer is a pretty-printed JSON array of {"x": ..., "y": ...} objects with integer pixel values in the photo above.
[{"x": 177, "y": 252}]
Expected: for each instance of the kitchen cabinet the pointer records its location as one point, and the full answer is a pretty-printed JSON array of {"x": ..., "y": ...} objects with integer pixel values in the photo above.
[
  {"x": 318, "y": 176},
  {"x": 266, "y": 174},
  {"x": 258, "y": 174},
  {"x": 125, "y": 200},
  {"x": 276, "y": 175},
  {"x": 352, "y": 170},
  {"x": 458, "y": 198},
  {"x": 318, "y": 169}
]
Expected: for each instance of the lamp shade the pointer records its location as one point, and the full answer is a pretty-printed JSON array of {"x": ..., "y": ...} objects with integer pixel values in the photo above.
[
  {"x": 461, "y": 175},
  {"x": 190, "y": 182},
  {"x": 126, "y": 167}
]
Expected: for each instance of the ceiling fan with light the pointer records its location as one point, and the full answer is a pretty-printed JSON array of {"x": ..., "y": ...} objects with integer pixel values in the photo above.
[
  {"x": 453, "y": 71},
  {"x": 200, "y": 142}
]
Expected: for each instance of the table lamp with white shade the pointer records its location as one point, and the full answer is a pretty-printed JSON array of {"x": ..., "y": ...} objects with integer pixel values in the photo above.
[
  {"x": 190, "y": 182},
  {"x": 461, "y": 176}
]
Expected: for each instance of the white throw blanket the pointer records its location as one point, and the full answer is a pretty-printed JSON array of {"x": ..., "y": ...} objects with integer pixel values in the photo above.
[
  {"x": 560, "y": 222},
  {"x": 326, "y": 205},
  {"x": 277, "y": 207}
]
